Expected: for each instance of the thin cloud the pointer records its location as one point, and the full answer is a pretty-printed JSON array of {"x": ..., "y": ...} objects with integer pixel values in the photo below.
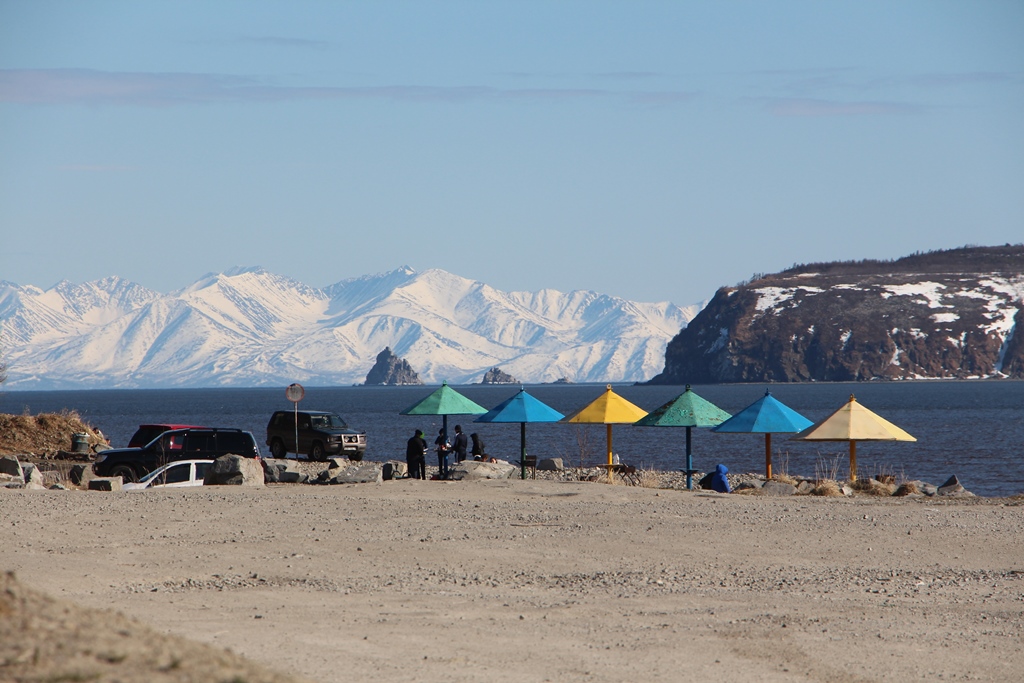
[
  {"x": 86, "y": 86},
  {"x": 818, "y": 108},
  {"x": 94, "y": 168},
  {"x": 281, "y": 41}
]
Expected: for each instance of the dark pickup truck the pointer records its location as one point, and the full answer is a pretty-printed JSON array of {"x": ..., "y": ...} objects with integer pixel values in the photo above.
[{"x": 131, "y": 464}]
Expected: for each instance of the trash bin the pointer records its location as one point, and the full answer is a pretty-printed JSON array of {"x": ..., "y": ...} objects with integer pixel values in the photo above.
[{"x": 79, "y": 443}]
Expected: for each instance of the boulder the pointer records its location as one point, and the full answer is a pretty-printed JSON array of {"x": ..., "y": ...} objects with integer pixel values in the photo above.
[
  {"x": 550, "y": 464},
  {"x": 81, "y": 474},
  {"x": 363, "y": 473},
  {"x": 293, "y": 477},
  {"x": 924, "y": 487},
  {"x": 33, "y": 476},
  {"x": 954, "y": 488},
  {"x": 804, "y": 487},
  {"x": 58, "y": 487},
  {"x": 105, "y": 484},
  {"x": 9, "y": 464},
  {"x": 748, "y": 485},
  {"x": 777, "y": 488},
  {"x": 235, "y": 470},
  {"x": 470, "y": 470},
  {"x": 394, "y": 469},
  {"x": 335, "y": 463},
  {"x": 13, "y": 484},
  {"x": 272, "y": 470}
]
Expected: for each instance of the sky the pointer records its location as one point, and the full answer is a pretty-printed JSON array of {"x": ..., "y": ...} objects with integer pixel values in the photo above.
[{"x": 654, "y": 151}]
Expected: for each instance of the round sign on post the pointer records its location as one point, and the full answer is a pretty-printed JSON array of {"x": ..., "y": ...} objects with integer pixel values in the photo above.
[{"x": 294, "y": 392}]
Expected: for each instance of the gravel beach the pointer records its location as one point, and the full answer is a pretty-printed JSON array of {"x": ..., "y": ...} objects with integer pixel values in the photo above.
[{"x": 541, "y": 580}]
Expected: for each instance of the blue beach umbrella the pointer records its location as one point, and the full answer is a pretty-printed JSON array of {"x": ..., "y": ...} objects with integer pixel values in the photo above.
[
  {"x": 521, "y": 408},
  {"x": 765, "y": 416}
]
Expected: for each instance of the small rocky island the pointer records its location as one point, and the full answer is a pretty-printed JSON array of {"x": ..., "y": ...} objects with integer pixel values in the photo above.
[
  {"x": 498, "y": 376},
  {"x": 390, "y": 370}
]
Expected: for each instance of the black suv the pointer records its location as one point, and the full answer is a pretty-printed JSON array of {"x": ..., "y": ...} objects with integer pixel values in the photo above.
[
  {"x": 321, "y": 434},
  {"x": 131, "y": 464}
]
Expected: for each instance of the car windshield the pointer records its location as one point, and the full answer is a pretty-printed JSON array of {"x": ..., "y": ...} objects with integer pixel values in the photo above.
[
  {"x": 149, "y": 477},
  {"x": 329, "y": 421}
]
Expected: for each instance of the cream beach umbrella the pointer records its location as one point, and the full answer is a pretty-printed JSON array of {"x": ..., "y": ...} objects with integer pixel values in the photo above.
[
  {"x": 853, "y": 422},
  {"x": 609, "y": 408}
]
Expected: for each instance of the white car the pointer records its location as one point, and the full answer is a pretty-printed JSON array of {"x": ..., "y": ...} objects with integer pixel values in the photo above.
[{"x": 175, "y": 474}]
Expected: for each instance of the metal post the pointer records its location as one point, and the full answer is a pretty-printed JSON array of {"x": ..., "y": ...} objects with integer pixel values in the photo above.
[
  {"x": 296, "y": 407},
  {"x": 689, "y": 462},
  {"x": 522, "y": 450},
  {"x": 768, "y": 455}
]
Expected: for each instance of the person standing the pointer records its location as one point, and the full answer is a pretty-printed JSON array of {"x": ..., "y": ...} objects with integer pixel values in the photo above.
[
  {"x": 478, "y": 447},
  {"x": 443, "y": 448},
  {"x": 416, "y": 456},
  {"x": 460, "y": 445}
]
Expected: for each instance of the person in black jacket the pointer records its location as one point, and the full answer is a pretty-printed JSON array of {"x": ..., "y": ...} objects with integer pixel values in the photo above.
[
  {"x": 415, "y": 456},
  {"x": 443, "y": 448},
  {"x": 460, "y": 445},
  {"x": 478, "y": 447}
]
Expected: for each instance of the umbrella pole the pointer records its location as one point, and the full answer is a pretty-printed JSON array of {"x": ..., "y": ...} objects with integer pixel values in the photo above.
[
  {"x": 522, "y": 450},
  {"x": 609, "y": 428},
  {"x": 768, "y": 455},
  {"x": 853, "y": 460},
  {"x": 689, "y": 462}
]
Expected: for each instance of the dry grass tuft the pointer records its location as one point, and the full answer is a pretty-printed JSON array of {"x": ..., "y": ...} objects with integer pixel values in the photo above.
[
  {"x": 785, "y": 478},
  {"x": 648, "y": 478},
  {"x": 42, "y": 435},
  {"x": 907, "y": 489},
  {"x": 828, "y": 487}
]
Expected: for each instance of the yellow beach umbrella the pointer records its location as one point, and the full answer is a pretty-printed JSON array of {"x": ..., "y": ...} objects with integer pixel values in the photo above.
[
  {"x": 609, "y": 408},
  {"x": 853, "y": 422}
]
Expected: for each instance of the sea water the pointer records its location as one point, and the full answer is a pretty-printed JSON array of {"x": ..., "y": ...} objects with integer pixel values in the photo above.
[{"x": 974, "y": 429}]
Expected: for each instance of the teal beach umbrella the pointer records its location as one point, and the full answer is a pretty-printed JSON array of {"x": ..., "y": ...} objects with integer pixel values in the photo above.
[
  {"x": 686, "y": 410},
  {"x": 521, "y": 408},
  {"x": 445, "y": 401}
]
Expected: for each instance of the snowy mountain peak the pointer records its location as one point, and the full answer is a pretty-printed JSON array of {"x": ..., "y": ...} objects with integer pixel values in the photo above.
[{"x": 250, "y": 327}]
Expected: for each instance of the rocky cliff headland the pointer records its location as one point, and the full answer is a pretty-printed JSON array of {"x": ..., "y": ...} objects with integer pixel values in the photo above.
[{"x": 944, "y": 314}]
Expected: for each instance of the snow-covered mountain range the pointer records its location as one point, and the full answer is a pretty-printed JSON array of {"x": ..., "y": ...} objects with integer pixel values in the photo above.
[{"x": 249, "y": 327}]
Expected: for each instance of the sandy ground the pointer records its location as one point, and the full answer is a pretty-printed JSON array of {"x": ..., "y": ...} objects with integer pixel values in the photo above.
[{"x": 544, "y": 581}]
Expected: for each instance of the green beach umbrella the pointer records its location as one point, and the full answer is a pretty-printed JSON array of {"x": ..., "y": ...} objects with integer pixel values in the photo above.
[
  {"x": 445, "y": 401},
  {"x": 686, "y": 410}
]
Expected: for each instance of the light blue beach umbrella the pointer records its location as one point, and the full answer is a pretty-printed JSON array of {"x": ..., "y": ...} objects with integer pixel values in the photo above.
[
  {"x": 765, "y": 416},
  {"x": 521, "y": 408}
]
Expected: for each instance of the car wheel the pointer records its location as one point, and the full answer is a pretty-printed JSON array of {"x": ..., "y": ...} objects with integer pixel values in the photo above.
[
  {"x": 356, "y": 457},
  {"x": 126, "y": 473},
  {"x": 277, "y": 449},
  {"x": 316, "y": 451}
]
